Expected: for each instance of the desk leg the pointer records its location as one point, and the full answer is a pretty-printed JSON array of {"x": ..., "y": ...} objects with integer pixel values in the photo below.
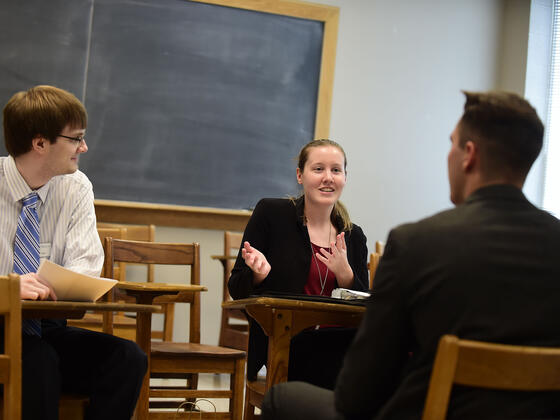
[
  {"x": 143, "y": 339},
  {"x": 279, "y": 347}
]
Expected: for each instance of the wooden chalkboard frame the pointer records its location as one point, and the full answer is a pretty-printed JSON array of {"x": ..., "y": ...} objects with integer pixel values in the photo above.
[{"x": 211, "y": 218}]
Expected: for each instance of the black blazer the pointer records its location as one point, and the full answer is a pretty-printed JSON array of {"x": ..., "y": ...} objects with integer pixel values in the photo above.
[
  {"x": 276, "y": 229},
  {"x": 487, "y": 270}
]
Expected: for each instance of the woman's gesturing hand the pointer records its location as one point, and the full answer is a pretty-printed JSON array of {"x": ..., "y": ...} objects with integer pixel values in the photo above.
[
  {"x": 337, "y": 261},
  {"x": 256, "y": 261}
]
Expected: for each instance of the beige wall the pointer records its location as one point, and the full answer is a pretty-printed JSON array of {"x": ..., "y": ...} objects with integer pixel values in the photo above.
[{"x": 399, "y": 71}]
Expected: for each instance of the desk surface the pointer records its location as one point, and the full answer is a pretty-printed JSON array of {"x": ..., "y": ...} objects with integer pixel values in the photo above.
[
  {"x": 283, "y": 303},
  {"x": 67, "y": 309},
  {"x": 160, "y": 288}
]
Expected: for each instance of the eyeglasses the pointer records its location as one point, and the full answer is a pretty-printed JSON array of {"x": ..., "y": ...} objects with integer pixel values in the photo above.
[{"x": 78, "y": 139}]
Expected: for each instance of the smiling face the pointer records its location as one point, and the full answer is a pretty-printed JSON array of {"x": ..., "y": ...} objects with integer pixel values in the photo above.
[
  {"x": 323, "y": 176},
  {"x": 63, "y": 155}
]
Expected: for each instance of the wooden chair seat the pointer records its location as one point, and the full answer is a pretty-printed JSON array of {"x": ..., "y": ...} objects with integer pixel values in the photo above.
[{"x": 170, "y": 349}]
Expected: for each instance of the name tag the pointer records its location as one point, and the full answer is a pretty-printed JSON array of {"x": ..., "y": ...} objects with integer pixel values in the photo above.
[{"x": 45, "y": 250}]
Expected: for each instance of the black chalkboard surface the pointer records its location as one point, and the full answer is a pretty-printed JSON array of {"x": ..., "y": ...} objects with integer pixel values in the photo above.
[
  {"x": 189, "y": 103},
  {"x": 43, "y": 42}
]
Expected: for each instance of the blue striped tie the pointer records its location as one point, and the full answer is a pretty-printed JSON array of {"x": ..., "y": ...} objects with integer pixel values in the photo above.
[{"x": 26, "y": 250}]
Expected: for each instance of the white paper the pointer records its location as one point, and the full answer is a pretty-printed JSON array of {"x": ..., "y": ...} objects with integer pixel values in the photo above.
[{"x": 69, "y": 285}]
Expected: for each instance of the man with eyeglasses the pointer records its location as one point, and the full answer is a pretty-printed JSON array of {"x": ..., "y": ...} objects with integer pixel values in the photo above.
[{"x": 46, "y": 207}]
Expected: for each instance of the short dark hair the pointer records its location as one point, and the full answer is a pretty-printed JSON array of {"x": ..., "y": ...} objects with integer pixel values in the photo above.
[
  {"x": 40, "y": 111},
  {"x": 506, "y": 128}
]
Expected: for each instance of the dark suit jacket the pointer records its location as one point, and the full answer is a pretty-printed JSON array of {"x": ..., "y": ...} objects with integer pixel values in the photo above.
[
  {"x": 487, "y": 270},
  {"x": 276, "y": 229}
]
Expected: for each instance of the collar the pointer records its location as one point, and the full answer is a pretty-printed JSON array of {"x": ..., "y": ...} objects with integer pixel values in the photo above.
[
  {"x": 17, "y": 186},
  {"x": 497, "y": 191}
]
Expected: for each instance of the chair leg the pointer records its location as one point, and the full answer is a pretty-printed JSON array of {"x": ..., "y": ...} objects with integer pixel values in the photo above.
[
  {"x": 237, "y": 379},
  {"x": 248, "y": 410}
]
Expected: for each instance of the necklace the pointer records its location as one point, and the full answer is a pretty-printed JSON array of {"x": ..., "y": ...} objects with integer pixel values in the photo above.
[{"x": 322, "y": 282}]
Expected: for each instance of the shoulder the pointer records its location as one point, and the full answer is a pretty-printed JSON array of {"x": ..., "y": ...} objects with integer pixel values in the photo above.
[
  {"x": 274, "y": 205},
  {"x": 443, "y": 218},
  {"x": 74, "y": 183},
  {"x": 356, "y": 234}
]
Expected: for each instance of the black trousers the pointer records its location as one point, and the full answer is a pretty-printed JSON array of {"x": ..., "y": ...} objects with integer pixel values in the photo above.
[{"x": 106, "y": 368}]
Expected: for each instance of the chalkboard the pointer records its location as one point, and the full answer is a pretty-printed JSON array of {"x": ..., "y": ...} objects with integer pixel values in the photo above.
[
  {"x": 43, "y": 42},
  {"x": 189, "y": 103}
]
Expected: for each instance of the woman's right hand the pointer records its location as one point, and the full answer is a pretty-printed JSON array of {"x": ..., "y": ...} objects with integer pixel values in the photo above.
[{"x": 256, "y": 261}]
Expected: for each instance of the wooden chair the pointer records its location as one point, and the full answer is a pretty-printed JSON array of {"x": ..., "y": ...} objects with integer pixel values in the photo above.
[
  {"x": 126, "y": 327},
  {"x": 123, "y": 326},
  {"x": 182, "y": 360},
  {"x": 374, "y": 259},
  {"x": 10, "y": 359},
  {"x": 234, "y": 330},
  {"x": 71, "y": 407},
  {"x": 488, "y": 365}
]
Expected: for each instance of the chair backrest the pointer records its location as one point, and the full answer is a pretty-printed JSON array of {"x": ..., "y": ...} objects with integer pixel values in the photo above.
[
  {"x": 10, "y": 359},
  {"x": 374, "y": 259},
  {"x": 488, "y": 365},
  {"x": 115, "y": 233},
  {"x": 232, "y": 243},
  {"x": 133, "y": 233},
  {"x": 141, "y": 252}
]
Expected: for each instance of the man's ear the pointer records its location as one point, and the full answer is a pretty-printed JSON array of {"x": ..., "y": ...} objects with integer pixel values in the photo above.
[
  {"x": 470, "y": 157},
  {"x": 39, "y": 144}
]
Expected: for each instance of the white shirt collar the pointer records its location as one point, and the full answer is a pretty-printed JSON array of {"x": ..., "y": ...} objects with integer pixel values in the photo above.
[{"x": 17, "y": 185}]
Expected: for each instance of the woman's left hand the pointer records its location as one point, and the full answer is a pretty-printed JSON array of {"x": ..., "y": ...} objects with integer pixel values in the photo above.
[{"x": 337, "y": 261}]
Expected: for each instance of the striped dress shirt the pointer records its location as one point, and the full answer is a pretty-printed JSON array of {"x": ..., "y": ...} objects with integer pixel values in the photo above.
[{"x": 68, "y": 234}]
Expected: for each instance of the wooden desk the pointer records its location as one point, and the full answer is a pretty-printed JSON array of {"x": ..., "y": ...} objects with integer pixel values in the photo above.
[
  {"x": 281, "y": 319},
  {"x": 145, "y": 293},
  {"x": 76, "y": 310}
]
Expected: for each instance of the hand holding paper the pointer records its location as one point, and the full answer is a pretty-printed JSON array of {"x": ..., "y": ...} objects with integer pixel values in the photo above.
[{"x": 69, "y": 285}]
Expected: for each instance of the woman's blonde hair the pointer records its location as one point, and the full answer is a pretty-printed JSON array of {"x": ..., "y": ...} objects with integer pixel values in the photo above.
[{"x": 339, "y": 210}]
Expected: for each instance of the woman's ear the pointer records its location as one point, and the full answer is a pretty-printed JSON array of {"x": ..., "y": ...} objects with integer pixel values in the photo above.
[{"x": 299, "y": 180}]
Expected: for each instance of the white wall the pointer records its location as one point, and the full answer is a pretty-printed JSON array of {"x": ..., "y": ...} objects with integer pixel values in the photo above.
[{"x": 399, "y": 70}]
